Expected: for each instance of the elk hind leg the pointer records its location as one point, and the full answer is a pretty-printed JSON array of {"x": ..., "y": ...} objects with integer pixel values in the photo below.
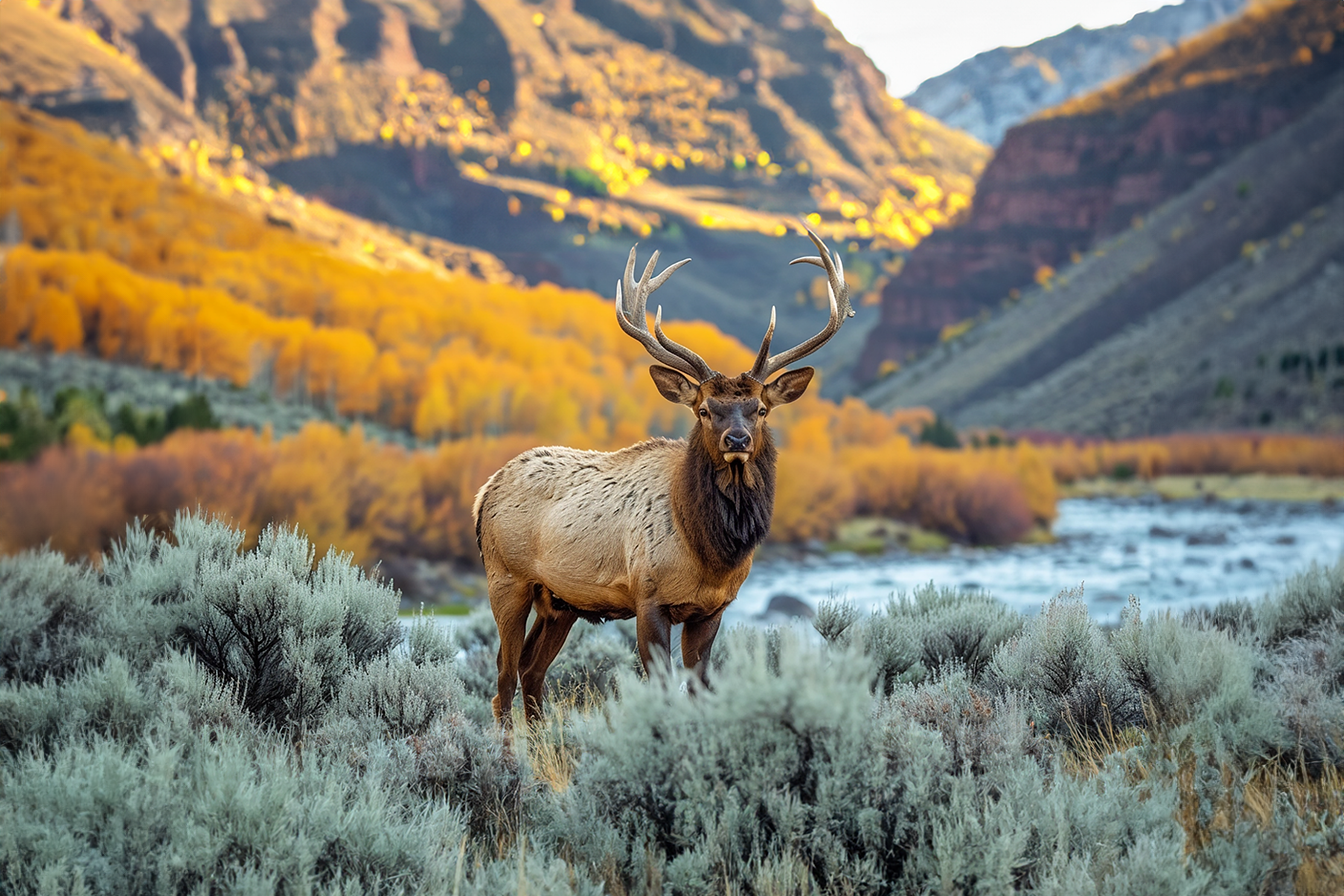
[
  {"x": 510, "y": 602},
  {"x": 548, "y": 635}
]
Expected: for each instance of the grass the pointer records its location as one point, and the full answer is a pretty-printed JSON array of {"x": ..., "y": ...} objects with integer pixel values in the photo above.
[
  {"x": 440, "y": 610},
  {"x": 1227, "y": 487},
  {"x": 878, "y": 535}
]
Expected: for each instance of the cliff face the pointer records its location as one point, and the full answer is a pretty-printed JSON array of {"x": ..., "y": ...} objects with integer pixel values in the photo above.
[
  {"x": 992, "y": 91},
  {"x": 1094, "y": 167}
]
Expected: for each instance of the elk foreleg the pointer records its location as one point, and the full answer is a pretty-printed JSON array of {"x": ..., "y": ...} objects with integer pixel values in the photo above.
[
  {"x": 697, "y": 637},
  {"x": 653, "y": 630},
  {"x": 543, "y": 643}
]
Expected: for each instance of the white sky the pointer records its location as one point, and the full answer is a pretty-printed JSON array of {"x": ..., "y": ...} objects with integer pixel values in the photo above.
[{"x": 911, "y": 40}]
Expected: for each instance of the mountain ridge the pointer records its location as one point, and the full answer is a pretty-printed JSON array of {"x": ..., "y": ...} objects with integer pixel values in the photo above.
[
  {"x": 1062, "y": 182},
  {"x": 994, "y": 90},
  {"x": 1218, "y": 310}
]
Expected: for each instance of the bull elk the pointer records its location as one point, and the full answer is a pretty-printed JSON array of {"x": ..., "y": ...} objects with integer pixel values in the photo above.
[{"x": 663, "y": 530}]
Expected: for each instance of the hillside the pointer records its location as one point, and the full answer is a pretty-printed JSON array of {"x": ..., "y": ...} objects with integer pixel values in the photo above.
[
  {"x": 65, "y": 70},
  {"x": 992, "y": 91},
  {"x": 1096, "y": 167},
  {"x": 1221, "y": 309},
  {"x": 548, "y": 135}
]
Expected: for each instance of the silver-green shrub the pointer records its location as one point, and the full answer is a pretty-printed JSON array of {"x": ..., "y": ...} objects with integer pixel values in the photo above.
[
  {"x": 51, "y": 616},
  {"x": 1200, "y": 680},
  {"x": 173, "y": 817},
  {"x": 675, "y": 793},
  {"x": 962, "y": 628},
  {"x": 283, "y": 631},
  {"x": 979, "y": 726},
  {"x": 914, "y": 636},
  {"x": 1069, "y": 673},
  {"x": 1305, "y": 602}
]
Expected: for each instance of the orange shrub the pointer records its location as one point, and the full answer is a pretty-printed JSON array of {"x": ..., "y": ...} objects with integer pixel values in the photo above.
[
  {"x": 378, "y": 500},
  {"x": 1196, "y": 453}
]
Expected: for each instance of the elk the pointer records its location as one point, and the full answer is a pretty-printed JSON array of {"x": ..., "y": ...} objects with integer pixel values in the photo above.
[{"x": 663, "y": 530}]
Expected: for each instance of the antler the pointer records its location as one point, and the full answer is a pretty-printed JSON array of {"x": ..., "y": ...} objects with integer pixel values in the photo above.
[
  {"x": 635, "y": 323},
  {"x": 767, "y": 364}
]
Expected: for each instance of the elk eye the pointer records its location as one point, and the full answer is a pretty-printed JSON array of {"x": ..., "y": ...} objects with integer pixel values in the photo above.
[
  {"x": 764, "y": 411},
  {"x": 704, "y": 413}
]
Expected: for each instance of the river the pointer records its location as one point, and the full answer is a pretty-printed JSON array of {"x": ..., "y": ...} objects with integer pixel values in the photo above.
[{"x": 1171, "y": 554}]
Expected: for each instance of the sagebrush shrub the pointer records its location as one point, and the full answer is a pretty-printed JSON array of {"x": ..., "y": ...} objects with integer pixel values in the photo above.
[
  {"x": 956, "y": 627},
  {"x": 157, "y": 817},
  {"x": 773, "y": 765},
  {"x": 105, "y": 700},
  {"x": 1200, "y": 681},
  {"x": 1067, "y": 669},
  {"x": 283, "y": 631},
  {"x": 1019, "y": 828},
  {"x": 1306, "y": 601},
  {"x": 51, "y": 616},
  {"x": 978, "y": 726}
]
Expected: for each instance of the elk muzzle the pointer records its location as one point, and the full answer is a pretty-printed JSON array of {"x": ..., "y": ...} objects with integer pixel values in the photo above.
[{"x": 736, "y": 445}]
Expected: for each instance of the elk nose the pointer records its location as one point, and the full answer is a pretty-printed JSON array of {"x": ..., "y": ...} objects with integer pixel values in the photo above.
[{"x": 736, "y": 441}]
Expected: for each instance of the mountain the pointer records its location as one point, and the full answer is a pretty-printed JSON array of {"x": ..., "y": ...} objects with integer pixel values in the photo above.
[
  {"x": 62, "y": 69},
  {"x": 1185, "y": 234},
  {"x": 549, "y": 136},
  {"x": 992, "y": 91},
  {"x": 1089, "y": 169}
]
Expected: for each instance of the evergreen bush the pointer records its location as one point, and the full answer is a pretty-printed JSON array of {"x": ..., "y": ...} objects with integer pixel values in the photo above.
[
  {"x": 282, "y": 631},
  {"x": 50, "y": 616}
]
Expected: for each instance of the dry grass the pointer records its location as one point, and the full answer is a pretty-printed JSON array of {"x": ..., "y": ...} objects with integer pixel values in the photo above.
[
  {"x": 1247, "y": 794},
  {"x": 551, "y": 757}
]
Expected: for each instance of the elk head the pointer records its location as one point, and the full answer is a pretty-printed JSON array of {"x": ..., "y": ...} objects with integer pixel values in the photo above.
[{"x": 731, "y": 411}]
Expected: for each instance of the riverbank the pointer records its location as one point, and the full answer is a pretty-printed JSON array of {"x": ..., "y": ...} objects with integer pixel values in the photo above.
[{"x": 1226, "y": 487}]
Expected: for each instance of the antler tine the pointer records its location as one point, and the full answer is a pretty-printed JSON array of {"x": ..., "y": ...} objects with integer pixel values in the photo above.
[
  {"x": 837, "y": 292},
  {"x": 634, "y": 321},
  {"x": 834, "y": 268},
  {"x": 763, "y": 356},
  {"x": 702, "y": 370}
]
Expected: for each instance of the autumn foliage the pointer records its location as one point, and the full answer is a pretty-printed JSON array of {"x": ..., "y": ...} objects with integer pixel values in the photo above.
[
  {"x": 1192, "y": 453},
  {"x": 120, "y": 262},
  {"x": 380, "y": 500}
]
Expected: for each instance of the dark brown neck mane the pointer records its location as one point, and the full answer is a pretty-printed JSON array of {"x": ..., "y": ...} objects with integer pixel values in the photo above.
[{"x": 724, "y": 510}]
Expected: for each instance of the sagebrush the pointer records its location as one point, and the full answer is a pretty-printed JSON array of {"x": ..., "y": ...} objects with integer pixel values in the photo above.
[{"x": 193, "y": 717}]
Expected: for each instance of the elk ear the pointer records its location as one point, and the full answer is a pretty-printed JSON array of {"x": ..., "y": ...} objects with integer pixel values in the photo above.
[
  {"x": 674, "y": 387},
  {"x": 788, "y": 386}
]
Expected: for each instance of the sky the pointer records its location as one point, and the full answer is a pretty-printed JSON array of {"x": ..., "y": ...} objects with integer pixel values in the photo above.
[{"x": 911, "y": 40}]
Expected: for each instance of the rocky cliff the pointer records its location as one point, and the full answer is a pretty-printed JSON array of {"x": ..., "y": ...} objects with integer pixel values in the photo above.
[
  {"x": 1096, "y": 166},
  {"x": 992, "y": 91}
]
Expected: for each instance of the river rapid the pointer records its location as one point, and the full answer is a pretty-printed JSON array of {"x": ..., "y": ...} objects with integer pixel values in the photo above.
[{"x": 1172, "y": 555}]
